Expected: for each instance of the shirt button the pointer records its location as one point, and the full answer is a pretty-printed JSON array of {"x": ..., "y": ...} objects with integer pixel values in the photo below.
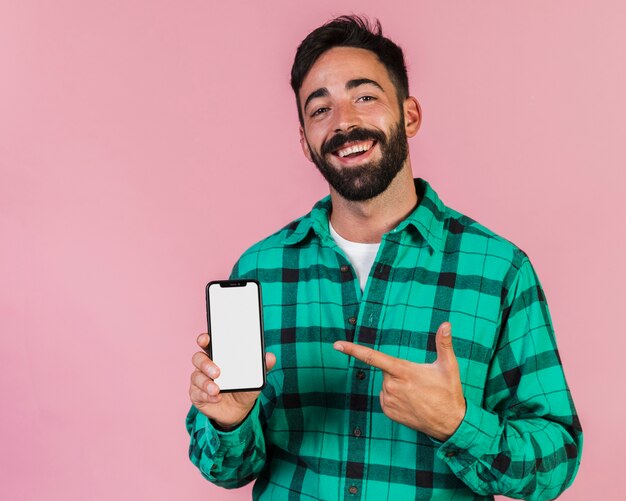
[
  {"x": 353, "y": 489},
  {"x": 356, "y": 432},
  {"x": 451, "y": 454},
  {"x": 360, "y": 375},
  {"x": 344, "y": 268},
  {"x": 352, "y": 320}
]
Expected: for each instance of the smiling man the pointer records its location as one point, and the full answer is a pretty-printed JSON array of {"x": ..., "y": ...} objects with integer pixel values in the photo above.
[
  {"x": 366, "y": 397},
  {"x": 359, "y": 148}
]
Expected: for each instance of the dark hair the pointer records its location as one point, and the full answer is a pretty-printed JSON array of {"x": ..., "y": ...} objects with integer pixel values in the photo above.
[{"x": 349, "y": 31}]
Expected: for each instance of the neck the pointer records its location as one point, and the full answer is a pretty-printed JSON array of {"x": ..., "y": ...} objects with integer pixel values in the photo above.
[{"x": 369, "y": 220}]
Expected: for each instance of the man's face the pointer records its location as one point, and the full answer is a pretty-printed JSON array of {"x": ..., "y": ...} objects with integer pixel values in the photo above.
[{"x": 354, "y": 129}]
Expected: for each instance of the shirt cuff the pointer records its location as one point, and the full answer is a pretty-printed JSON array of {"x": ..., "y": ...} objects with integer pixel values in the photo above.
[
  {"x": 472, "y": 439},
  {"x": 234, "y": 437}
]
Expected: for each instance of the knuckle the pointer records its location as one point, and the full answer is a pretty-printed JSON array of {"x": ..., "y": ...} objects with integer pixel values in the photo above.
[
  {"x": 388, "y": 412},
  {"x": 193, "y": 394},
  {"x": 198, "y": 359},
  {"x": 198, "y": 378},
  {"x": 388, "y": 385}
]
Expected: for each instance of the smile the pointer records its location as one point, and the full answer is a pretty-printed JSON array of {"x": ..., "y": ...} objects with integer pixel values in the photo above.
[{"x": 354, "y": 149}]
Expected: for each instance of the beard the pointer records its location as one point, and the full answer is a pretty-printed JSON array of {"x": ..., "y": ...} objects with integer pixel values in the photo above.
[{"x": 369, "y": 180}]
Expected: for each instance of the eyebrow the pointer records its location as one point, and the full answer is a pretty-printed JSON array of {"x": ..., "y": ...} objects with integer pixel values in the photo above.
[
  {"x": 321, "y": 92},
  {"x": 362, "y": 81},
  {"x": 350, "y": 84}
]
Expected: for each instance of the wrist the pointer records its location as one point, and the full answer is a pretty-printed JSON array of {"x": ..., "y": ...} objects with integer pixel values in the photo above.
[
  {"x": 225, "y": 427},
  {"x": 458, "y": 418},
  {"x": 451, "y": 424}
]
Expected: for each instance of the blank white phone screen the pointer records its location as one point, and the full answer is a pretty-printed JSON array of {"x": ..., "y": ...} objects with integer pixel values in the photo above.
[{"x": 236, "y": 335}]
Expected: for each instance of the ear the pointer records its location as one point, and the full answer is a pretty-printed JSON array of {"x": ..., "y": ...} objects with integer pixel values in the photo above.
[
  {"x": 412, "y": 116},
  {"x": 305, "y": 145}
]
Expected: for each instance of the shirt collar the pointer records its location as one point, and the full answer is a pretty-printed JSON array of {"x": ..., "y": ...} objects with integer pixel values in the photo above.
[{"x": 427, "y": 219}]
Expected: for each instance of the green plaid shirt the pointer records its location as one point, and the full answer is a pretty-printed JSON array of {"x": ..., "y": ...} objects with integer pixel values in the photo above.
[{"x": 318, "y": 432}]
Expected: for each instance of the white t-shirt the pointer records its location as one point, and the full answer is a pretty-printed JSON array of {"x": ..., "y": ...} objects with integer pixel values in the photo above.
[{"x": 361, "y": 255}]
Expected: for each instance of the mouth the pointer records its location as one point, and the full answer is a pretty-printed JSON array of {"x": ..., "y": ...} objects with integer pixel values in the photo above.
[{"x": 354, "y": 149}]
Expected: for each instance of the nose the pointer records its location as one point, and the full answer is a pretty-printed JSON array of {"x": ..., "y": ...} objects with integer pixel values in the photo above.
[{"x": 346, "y": 117}]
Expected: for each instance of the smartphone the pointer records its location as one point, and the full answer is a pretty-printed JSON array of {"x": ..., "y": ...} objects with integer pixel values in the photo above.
[{"x": 235, "y": 322}]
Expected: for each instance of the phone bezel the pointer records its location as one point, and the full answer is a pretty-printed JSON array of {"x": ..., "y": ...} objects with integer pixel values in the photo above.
[{"x": 209, "y": 349}]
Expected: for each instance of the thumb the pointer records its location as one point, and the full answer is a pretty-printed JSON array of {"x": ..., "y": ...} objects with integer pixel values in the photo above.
[
  {"x": 270, "y": 361},
  {"x": 443, "y": 341}
]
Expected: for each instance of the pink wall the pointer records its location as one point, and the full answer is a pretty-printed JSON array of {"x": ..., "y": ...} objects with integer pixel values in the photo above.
[{"x": 145, "y": 144}]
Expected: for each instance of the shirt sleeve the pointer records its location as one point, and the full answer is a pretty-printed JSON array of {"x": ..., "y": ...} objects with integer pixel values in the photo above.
[
  {"x": 234, "y": 458},
  {"x": 229, "y": 459},
  {"x": 524, "y": 440}
]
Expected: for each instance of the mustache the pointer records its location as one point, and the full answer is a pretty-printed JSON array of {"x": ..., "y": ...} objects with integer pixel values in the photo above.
[{"x": 339, "y": 139}]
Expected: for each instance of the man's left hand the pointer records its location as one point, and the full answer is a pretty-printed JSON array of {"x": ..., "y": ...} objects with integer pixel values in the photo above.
[{"x": 425, "y": 397}]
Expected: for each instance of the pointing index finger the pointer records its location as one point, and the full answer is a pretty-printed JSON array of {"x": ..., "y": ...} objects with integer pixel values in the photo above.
[{"x": 367, "y": 355}]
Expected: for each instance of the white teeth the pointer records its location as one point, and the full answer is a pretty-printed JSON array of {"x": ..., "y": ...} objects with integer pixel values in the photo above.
[{"x": 354, "y": 149}]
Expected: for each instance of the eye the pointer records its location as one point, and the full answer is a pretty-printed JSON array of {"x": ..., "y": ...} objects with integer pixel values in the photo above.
[
  {"x": 366, "y": 98},
  {"x": 318, "y": 112}
]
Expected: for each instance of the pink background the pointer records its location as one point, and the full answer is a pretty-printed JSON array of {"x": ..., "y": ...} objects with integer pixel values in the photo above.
[{"x": 145, "y": 144}]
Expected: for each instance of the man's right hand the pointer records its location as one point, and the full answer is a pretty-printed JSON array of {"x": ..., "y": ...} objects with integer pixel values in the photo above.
[{"x": 227, "y": 410}]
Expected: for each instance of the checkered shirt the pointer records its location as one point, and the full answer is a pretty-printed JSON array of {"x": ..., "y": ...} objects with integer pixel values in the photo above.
[{"x": 318, "y": 431}]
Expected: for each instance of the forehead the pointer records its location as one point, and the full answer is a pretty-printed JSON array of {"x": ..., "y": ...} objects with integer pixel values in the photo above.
[{"x": 339, "y": 65}]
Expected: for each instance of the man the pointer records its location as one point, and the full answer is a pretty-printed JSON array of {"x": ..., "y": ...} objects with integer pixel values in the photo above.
[{"x": 367, "y": 398}]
